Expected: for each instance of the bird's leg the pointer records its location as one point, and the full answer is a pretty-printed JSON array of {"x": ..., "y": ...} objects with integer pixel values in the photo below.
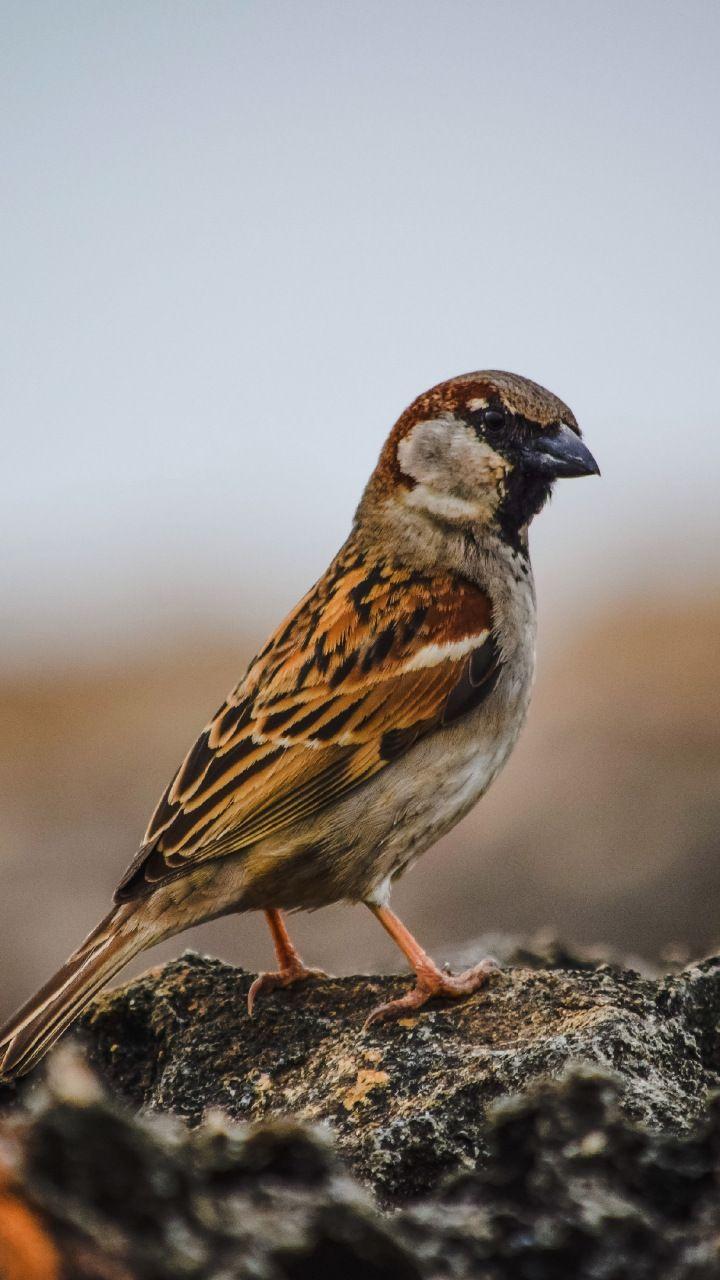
[
  {"x": 431, "y": 981},
  {"x": 291, "y": 968}
]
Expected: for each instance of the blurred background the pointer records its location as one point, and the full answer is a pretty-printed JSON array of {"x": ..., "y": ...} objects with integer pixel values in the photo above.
[{"x": 237, "y": 239}]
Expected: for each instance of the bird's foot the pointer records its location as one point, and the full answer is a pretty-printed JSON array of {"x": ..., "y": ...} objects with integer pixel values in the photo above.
[
  {"x": 294, "y": 972},
  {"x": 431, "y": 983}
]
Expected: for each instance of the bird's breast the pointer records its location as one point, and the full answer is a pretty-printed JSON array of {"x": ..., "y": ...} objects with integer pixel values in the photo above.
[{"x": 443, "y": 777}]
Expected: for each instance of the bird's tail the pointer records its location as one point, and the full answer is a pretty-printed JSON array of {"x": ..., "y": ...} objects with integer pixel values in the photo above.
[{"x": 38, "y": 1024}]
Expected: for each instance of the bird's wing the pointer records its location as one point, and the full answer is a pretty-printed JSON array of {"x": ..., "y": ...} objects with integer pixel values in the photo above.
[{"x": 374, "y": 658}]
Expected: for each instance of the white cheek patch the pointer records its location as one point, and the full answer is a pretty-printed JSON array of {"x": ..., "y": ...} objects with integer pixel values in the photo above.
[
  {"x": 421, "y": 453},
  {"x": 457, "y": 476},
  {"x": 445, "y": 452}
]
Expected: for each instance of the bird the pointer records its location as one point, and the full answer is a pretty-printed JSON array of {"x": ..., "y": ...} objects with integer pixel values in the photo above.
[{"x": 377, "y": 714}]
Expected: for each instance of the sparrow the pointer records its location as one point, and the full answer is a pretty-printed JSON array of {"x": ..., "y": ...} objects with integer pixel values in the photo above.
[{"x": 374, "y": 718}]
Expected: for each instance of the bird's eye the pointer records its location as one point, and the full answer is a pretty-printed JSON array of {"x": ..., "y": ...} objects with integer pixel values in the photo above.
[{"x": 494, "y": 419}]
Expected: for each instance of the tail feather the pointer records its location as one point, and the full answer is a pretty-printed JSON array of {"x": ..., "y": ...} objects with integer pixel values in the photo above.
[{"x": 39, "y": 1023}]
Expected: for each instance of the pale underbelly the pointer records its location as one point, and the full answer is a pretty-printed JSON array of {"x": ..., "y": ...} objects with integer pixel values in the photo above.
[
  {"x": 372, "y": 838},
  {"x": 451, "y": 794}
]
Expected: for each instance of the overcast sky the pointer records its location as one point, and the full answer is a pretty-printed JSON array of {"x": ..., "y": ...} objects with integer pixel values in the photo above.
[{"x": 237, "y": 238}]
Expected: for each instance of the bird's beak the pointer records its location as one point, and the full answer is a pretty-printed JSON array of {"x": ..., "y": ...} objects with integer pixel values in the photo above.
[{"x": 560, "y": 453}]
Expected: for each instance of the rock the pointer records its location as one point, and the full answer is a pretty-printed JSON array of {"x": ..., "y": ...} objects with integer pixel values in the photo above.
[
  {"x": 406, "y": 1102},
  {"x": 569, "y": 1188},
  {"x": 122, "y": 1199},
  {"x": 560, "y": 1123}
]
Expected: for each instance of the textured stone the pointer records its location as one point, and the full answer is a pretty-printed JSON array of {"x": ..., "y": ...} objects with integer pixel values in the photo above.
[
  {"x": 406, "y": 1101},
  {"x": 569, "y": 1188},
  {"x": 560, "y": 1124}
]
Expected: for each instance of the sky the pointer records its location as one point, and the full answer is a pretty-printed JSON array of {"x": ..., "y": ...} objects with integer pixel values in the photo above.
[{"x": 236, "y": 239}]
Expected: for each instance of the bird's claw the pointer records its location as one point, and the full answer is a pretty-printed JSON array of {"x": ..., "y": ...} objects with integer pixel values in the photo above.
[
  {"x": 434, "y": 984},
  {"x": 275, "y": 978}
]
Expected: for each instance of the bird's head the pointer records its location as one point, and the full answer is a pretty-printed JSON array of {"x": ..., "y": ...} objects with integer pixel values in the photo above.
[{"x": 481, "y": 449}]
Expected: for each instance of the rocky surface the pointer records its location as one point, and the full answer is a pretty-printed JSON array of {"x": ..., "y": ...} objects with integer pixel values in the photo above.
[
  {"x": 559, "y": 1124},
  {"x": 407, "y": 1101},
  {"x": 568, "y": 1188}
]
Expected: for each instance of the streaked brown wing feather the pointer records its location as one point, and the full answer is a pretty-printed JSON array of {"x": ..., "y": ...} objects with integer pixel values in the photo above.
[{"x": 373, "y": 658}]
